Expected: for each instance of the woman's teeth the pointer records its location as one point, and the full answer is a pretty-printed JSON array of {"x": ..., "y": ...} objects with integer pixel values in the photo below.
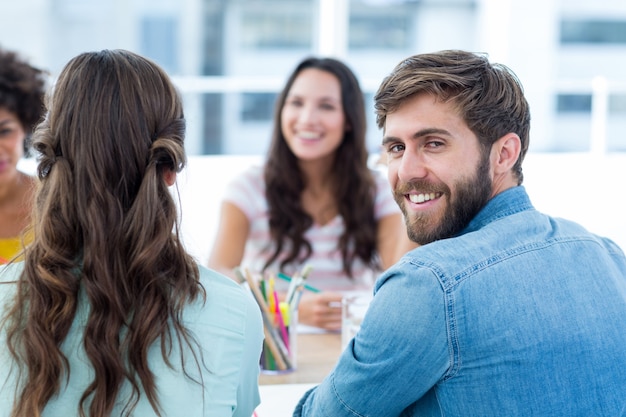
[{"x": 309, "y": 135}]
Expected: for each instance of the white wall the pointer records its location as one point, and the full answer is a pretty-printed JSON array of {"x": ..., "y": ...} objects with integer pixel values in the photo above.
[
  {"x": 200, "y": 187},
  {"x": 582, "y": 187}
]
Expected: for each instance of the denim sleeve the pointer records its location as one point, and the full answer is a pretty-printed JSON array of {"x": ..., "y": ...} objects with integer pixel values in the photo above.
[
  {"x": 398, "y": 355},
  {"x": 297, "y": 412}
]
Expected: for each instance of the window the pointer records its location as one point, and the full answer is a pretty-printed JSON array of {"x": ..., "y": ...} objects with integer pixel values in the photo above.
[
  {"x": 573, "y": 103},
  {"x": 593, "y": 31},
  {"x": 380, "y": 32},
  {"x": 257, "y": 106},
  {"x": 159, "y": 39},
  {"x": 272, "y": 29},
  {"x": 617, "y": 104},
  {"x": 84, "y": 10}
]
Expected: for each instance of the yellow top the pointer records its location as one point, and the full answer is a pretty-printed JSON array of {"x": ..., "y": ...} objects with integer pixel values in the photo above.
[{"x": 11, "y": 246}]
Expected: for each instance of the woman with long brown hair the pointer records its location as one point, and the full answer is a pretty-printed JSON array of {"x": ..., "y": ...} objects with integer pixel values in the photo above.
[
  {"x": 108, "y": 315},
  {"x": 315, "y": 201}
]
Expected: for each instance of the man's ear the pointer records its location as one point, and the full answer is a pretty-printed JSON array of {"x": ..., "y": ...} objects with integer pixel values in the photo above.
[
  {"x": 505, "y": 153},
  {"x": 169, "y": 177}
]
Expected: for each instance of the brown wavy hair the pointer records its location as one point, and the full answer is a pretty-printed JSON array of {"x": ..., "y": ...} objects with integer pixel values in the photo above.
[
  {"x": 354, "y": 185},
  {"x": 22, "y": 90},
  {"x": 489, "y": 97},
  {"x": 106, "y": 232}
]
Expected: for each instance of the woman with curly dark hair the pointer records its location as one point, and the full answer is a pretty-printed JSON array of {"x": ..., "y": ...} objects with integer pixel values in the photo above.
[
  {"x": 108, "y": 315},
  {"x": 22, "y": 89},
  {"x": 315, "y": 201}
]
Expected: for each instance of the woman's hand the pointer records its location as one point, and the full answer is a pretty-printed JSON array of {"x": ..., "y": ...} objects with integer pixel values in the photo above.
[{"x": 321, "y": 310}]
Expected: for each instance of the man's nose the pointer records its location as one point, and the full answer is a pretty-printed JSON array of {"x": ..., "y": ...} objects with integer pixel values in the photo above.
[{"x": 412, "y": 166}]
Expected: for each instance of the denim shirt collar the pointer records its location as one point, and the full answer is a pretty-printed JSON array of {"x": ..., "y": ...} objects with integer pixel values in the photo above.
[{"x": 506, "y": 203}]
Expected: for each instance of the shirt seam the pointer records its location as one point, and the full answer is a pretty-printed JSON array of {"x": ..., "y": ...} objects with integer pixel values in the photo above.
[{"x": 450, "y": 285}]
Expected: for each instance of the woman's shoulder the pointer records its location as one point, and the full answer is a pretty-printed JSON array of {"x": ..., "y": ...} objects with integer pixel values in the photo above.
[
  {"x": 247, "y": 191},
  {"x": 250, "y": 175},
  {"x": 379, "y": 174},
  {"x": 249, "y": 180},
  {"x": 10, "y": 272},
  {"x": 227, "y": 304},
  {"x": 219, "y": 284},
  {"x": 384, "y": 204},
  {"x": 218, "y": 281}
]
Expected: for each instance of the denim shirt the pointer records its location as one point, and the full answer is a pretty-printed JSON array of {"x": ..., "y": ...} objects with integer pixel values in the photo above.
[{"x": 521, "y": 314}]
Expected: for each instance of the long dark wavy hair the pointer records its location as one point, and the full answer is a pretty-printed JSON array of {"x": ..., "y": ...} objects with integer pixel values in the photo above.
[
  {"x": 354, "y": 185},
  {"x": 105, "y": 227}
]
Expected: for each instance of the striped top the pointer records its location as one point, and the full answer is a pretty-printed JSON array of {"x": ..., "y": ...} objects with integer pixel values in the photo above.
[{"x": 247, "y": 192}]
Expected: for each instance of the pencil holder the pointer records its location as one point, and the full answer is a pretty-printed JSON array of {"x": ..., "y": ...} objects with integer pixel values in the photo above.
[{"x": 280, "y": 347}]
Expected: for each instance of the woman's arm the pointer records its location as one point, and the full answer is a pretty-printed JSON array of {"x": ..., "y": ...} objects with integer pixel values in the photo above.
[
  {"x": 321, "y": 310},
  {"x": 230, "y": 240}
]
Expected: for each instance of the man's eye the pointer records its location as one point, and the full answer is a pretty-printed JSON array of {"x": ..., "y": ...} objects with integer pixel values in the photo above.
[
  {"x": 434, "y": 144},
  {"x": 396, "y": 148}
]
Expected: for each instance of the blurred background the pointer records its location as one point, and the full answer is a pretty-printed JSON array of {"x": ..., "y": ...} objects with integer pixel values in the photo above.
[{"x": 231, "y": 57}]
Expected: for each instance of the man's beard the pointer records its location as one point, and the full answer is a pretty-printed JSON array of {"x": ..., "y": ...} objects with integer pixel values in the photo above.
[{"x": 471, "y": 195}]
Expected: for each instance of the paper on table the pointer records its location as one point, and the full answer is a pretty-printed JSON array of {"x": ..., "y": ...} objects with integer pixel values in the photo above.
[{"x": 280, "y": 400}]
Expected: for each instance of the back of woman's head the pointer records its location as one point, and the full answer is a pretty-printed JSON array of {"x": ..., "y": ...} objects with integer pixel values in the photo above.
[
  {"x": 105, "y": 223},
  {"x": 113, "y": 132},
  {"x": 112, "y": 116}
]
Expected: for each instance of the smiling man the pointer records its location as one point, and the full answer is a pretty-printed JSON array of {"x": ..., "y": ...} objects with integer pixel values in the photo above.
[{"x": 502, "y": 310}]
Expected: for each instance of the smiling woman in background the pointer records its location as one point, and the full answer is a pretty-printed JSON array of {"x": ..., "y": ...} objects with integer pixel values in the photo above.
[
  {"x": 22, "y": 89},
  {"x": 315, "y": 201}
]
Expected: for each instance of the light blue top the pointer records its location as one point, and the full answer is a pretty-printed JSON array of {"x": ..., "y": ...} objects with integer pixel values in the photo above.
[
  {"x": 520, "y": 315},
  {"x": 229, "y": 329}
]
